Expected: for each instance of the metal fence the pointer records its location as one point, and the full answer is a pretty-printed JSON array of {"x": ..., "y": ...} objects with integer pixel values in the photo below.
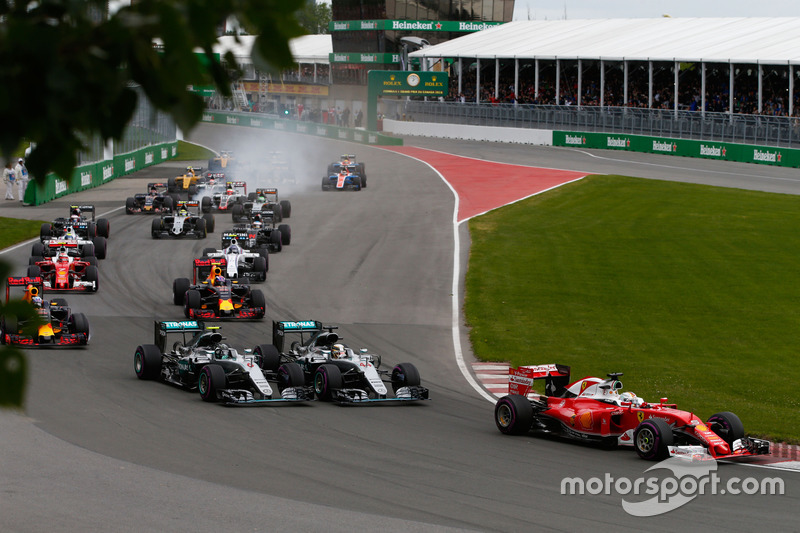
[
  {"x": 723, "y": 127},
  {"x": 148, "y": 126}
]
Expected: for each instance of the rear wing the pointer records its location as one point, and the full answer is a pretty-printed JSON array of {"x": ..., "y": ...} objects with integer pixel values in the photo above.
[
  {"x": 215, "y": 175},
  {"x": 240, "y": 236},
  {"x": 23, "y": 281},
  {"x": 158, "y": 185},
  {"x": 186, "y": 203},
  {"x": 303, "y": 329},
  {"x": 237, "y": 184},
  {"x": 83, "y": 208},
  {"x": 267, "y": 190},
  {"x": 520, "y": 379},
  {"x": 163, "y": 327}
]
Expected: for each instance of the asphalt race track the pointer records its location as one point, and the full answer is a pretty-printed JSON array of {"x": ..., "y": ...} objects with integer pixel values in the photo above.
[{"x": 99, "y": 450}]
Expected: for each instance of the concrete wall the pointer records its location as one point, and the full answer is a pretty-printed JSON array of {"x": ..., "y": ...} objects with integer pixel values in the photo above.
[{"x": 469, "y": 133}]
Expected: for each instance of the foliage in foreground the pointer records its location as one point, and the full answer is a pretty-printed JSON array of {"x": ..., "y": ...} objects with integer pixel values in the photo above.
[{"x": 687, "y": 289}]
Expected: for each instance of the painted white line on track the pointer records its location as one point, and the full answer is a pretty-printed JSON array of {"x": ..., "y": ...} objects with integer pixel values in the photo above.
[{"x": 24, "y": 243}]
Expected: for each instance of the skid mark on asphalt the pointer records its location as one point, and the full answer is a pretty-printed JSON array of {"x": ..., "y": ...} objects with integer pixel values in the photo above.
[{"x": 485, "y": 185}]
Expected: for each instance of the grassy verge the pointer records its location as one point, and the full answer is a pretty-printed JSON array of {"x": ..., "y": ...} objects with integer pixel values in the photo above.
[
  {"x": 192, "y": 152},
  {"x": 14, "y": 230},
  {"x": 689, "y": 290}
]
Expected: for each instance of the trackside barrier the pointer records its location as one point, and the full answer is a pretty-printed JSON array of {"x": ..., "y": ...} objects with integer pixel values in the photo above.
[
  {"x": 744, "y": 153},
  {"x": 306, "y": 128},
  {"x": 95, "y": 174}
]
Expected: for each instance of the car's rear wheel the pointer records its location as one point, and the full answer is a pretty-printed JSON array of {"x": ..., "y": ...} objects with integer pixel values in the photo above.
[
  {"x": 237, "y": 212},
  {"x": 327, "y": 379},
  {"x": 34, "y": 271},
  {"x": 276, "y": 239},
  {"x": 286, "y": 234},
  {"x": 147, "y": 361},
  {"x": 290, "y": 375},
  {"x": 9, "y": 326},
  {"x": 205, "y": 204},
  {"x": 88, "y": 249},
  {"x": 103, "y": 227},
  {"x": 260, "y": 267},
  {"x": 513, "y": 414},
  {"x": 286, "y": 208},
  {"x": 258, "y": 301},
  {"x": 652, "y": 439},
  {"x": 155, "y": 228},
  {"x": 179, "y": 288},
  {"x": 267, "y": 357},
  {"x": 210, "y": 222},
  {"x": 211, "y": 381},
  {"x": 100, "y": 246},
  {"x": 46, "y": 231},
  {"x": 172, "y": 185},
  {"x": 202, "y": 231},
  {"x": 405, "y": 375},
  {"x": 32, "y": 260},
  {"x": 727, "y": 425},
  {"x": 37, "y": 249}
]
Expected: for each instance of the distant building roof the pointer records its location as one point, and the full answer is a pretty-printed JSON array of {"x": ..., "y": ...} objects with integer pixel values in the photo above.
[
  {"x": 305, "y": 49},
  {"x": 717, "y": 40}
]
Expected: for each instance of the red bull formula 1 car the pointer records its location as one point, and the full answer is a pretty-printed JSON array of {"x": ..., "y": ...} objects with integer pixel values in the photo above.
[
  {"x": 59, "y": 326},
  {"x": 593, "y": 410},
  {"x": 217, "y": 297}
]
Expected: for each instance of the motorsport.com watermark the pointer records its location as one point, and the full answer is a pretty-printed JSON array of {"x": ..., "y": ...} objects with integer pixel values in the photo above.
[{"x": 687, "y": 481}]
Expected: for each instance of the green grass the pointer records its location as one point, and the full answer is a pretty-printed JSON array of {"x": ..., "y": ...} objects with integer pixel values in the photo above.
[
  {"x": 689, "y": 290},
  {"x": 14, "y": 230},
  {"x": 192, "y": 152}
]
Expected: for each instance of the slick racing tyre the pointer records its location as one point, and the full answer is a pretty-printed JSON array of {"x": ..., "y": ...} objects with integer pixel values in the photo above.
[
  {"x": 100, "y": 246},
  {"x": 727, "y": 425},
  {"x": 211, "y": 381},
  {"x": 205, "y": 204},
  {"x": 327, "y": 379},
  {"x": 286, "y": 208},
  {"x": 259, "y": 302},
  {"x": 37, "y": 249},
  {"x": 210, "y": 223},
  {"x": 155, "y": 230},
  {"x": 79, "y": 324},
  {"x": 34, "y": 271},
  {"x": 103, "y": 227},
  {"x": 201, "y": 229},
  {"x": 130, "y": 205},
  {"x": 286, "y": 234},
  {"x": 237, "y": 212},
  {"x": 276, "y": 239},
  {"x": 652, "y": 439},
  {"x": 179, "y": 288},
  {"x": 46, "y": 231},
  {"x": 405, "y": 375},
  {"x": 267, "y": 357},
  {"x": 191, "y": 301},
  {"x": 290, "y": 375},
  {"x": 92, "y": 276},
  {"x": 260, "y": 267},
  {"x": 513, "y": 414},
  {"x": 147, "y": 361},
  {"x": 32, "y": 260}
]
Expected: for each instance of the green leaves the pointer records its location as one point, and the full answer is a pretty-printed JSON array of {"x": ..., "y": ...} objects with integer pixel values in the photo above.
[{"x": 65, "y": 67}]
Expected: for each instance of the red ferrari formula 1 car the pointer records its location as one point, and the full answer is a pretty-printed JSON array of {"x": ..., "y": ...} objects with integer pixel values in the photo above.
[
  {"x": 592, "y": 409},
  {"x": 64, "y": 272},
  {"x": 59, "y": 326}
]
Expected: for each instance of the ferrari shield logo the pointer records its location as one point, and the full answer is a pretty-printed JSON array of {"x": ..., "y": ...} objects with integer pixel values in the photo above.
[{"x": 640, "y": 415}]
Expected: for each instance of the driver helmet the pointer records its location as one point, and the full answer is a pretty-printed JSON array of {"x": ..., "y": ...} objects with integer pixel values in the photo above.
[
  {"x": 69, "y": 232},
  {"x": 229, "y": 192},
  {"x": 219, "y": 280},
  {"x": 153, "y": 191},
  {"x": 76, "y": 211},
  {"x": 63, "y": 257},
  {"x": 262, "y": 198},
  {"x": 631, "y": 398},
  {"x": 36, "y": 301},
  {"x": 338, "y": 351},
  {"x": 257, "y": 223},
  {"x": 74, "y": 218},
  {"x": 212, "y": 181},
  {"x": 233, "y": 249},
  {"x": 183, "y": 212},
  {"x": 30, "y": 292}
]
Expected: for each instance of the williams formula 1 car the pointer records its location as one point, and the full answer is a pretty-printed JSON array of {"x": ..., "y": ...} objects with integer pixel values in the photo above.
[
  {"x": 217, "y": 297},
  {"x": 199, "y": 360},
  {"x": 58, "y": 325},
  {"x": 593, "y": 410},
  {"x": 183, "y": 223},
  {"x": 235, "y": 261},
  {"x": 338, "y": 373}
]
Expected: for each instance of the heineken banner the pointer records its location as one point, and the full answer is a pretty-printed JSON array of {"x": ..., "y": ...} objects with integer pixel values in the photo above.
[
  {"x": 363, "y": 58},
  {"x": 743, "y": 153},
  {"x": 409, "y": 25},
  {"x": 306, "y": 128}
]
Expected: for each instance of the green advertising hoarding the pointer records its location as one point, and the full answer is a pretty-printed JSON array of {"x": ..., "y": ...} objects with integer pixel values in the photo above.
[
  {"x": 402, "y": 83},
  {"x": 744, "y": 153},
  {"x": 410, "y": 25}
]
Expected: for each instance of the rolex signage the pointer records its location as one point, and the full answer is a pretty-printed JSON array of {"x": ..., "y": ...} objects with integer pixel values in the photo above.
[
  {"x": 402, "y": 83},
  {"x": 410, "y": 25}
]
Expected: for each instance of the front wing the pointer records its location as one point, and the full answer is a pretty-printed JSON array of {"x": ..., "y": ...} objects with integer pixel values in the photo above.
[{"x": 359, "y": 396}]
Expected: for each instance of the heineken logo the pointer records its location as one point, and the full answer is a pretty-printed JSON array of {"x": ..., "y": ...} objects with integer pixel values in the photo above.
[
  {"x": 662, "y": 146},
  {"x": 130, "y": 164},
  {"x": 373, "y": 139},
  {"x": 767, "y": 157},
  {"x": 302, "y": 128},
  {"x": 149, "y": 157},
  {"x": 86, "y": 179},
  {"x": 61, "y": 186},
  {"x": 321, "y": 130},
  {"x": 164, "y": 153},
  {"x": 368, "y": 58},
  {"x": 174, "y": 150},
  {"x": 369, "y": 25},
  {"x": 255, "y": 122},
  {"x": 358, "y": 137},
  {"x": 207, "y": 117},
  {"x": 472, "y": 26},
  {"x": 617, "y": 142},
  {"x": 712, "y": 151},
  {"x": 341, "y": 25},
  {"x": 416, "y": 25},
  {"x": 574, "y": 139},
  {"x": 232, "y": 120},
  {"x": 343, "y": 134},
  {"x": 108, "y": 172},
  {"x": 340, "y": 57},
  {"x": 280, "y": 125}
]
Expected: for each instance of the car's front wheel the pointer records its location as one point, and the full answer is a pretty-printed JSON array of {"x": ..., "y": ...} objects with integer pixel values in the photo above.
[
  {"x": 652, "y": 439},
  {"x": 211, "y": 381},
  {"x": 327, "y": 379}
]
